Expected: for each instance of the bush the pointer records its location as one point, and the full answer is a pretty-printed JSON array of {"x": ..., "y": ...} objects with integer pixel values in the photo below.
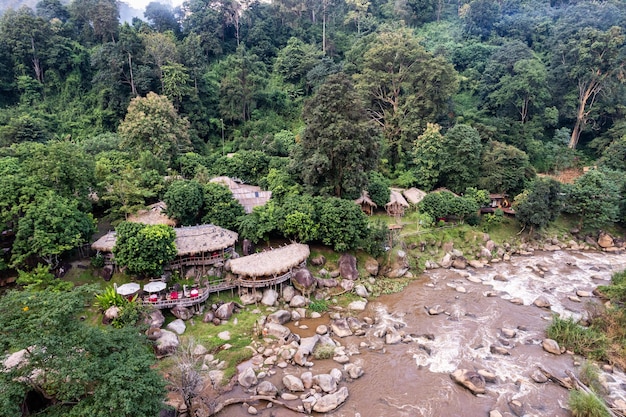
[
  {"x": 583, "y": 404},
  {"x": 318, "y": 306},
  {"x": 324, "y": 352},
  {"x": 582, "y": 340}
]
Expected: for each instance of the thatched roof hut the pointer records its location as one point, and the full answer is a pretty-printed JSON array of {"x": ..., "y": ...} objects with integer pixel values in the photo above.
[
  {"x": 396, "y": 204},
  {"x": 153, "y": 214},
  {"x": 271, "y": 262},
  {"x": 366, "y": 203},
  {"x": 249, "y": 196},
  {"x": 105, "y": 243},
  {"x": 191, "y": 240},
  {"x": 414, "y": 195}
]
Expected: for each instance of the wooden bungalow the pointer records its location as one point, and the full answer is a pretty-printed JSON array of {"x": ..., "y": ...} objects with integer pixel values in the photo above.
[
  {"x": 413, "y": 195},
  {"x": 498, "y": 202},
  {"x": 270, "y": 267},
  {"x": 197, "y": 246},
  {"x": 397, "y": 204},
  {"x": 366, "y": 203},
  {"x": 153, "y": 214},
  {"x": 249, "y": 196}
]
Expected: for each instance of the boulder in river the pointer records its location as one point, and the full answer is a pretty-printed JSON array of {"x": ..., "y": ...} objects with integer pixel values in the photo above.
[
  {"x": 330, "y": 402},
  {"x": 471, "y": 380},
  {"x": 304, "y": 281},
  {"x": 551, "y": 346},
  {"x": 347, "y": 267}
]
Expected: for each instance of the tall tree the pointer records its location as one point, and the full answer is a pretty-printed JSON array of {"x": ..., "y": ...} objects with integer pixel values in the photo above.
[
  {"x": 98, "y": 20},
  {"x": 594, "y": 198},
  {"x": 462, "y": 156},
  {"x": 144, "y": 249},
  {"x": 153, "y": 124},
  {"x": 184, "y": 200},
  {"x": 339, "y": 145},
  {"x": 540, "y": 205},
  {"x": 404, "y": 87},
  {"x": 504, "y": 168}
]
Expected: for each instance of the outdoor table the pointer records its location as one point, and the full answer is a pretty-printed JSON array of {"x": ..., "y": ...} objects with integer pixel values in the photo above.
[
  {"x": 194, "y": 293},
  {"x": 153, "y": 298}
]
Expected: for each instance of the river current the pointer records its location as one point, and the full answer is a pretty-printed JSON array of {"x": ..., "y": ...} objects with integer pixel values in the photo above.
[{"x": 413, "y": 379}]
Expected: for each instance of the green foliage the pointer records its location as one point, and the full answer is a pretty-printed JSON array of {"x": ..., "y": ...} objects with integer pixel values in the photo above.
[
  {"x": 541, "y": 205},
  {"x": 144, "y": 249},
  {"x": 220, "y": 207},
  {"x": 504, "y": 169},
  {"x": 184, "y": 200},
  {"x": 378, "y": 188},
  {"x": 595, "y": 199},
  {"x": 461, "y": 162},
  {"x": 443, "y": 204},
  {"x": 617, "y": 290},
  {"x": 40, "y": 279},
  {"x": 109, "y": 298},
  {"x": 324, "y": 352},
  {"x": 428, "y": 153},
  {"x": 582, "y": 340},
  {"x": 86, "y": 367},
  {"x": 584, "y": 404},
  {"x": 342, "y": 224},
  {"x": 491, "y": 220},
  {"x": 319, "y": 306}
]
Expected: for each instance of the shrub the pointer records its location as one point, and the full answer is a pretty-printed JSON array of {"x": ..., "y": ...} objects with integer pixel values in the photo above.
[
  {"x": 583, "y": 404},
  {"x": 318, "y": 306},
  {"x": 582, "y": 340},
  {"x": 109, "y": 298},
  {"x": 324, "y": 352}
]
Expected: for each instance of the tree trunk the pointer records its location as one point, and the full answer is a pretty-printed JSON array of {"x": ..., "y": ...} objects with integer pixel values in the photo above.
[
  {"x": 587, "y": 92},
  {"x": 132, "y": 80}
]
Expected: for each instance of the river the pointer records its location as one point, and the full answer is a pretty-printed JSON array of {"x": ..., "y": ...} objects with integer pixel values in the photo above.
[{"x": 413, "y": 379}]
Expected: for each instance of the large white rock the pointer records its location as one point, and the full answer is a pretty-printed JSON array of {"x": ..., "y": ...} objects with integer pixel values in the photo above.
[
  {"x": 358, "y": 305},
  {"x": 551, "y": 346},
  {"x": 340, "y": 328},
  {"x": 293, "y": 383},
  {"x": 276, "y": 330},
  {"x": 177, "y": 326},
  {"x": 331, "y": 401},
  {"x": 247, "y": 378},
  {"x": 270, "y": 297},
  {"x": 167, "y": 344},
  {"x": 298, "y": 301},
  {"x": 280, "y": 317},
  {"x": 288, "y": 293},
  {"x": 267, "y": 388},
  {"x": 326, "y": 382}
]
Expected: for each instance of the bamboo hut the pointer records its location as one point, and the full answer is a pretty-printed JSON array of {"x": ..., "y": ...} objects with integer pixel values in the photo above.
[
  {"x": 270, "y": 267},
  {"x": 153, "y": 214},
  {"x": 413, "y": 195},
  {"x": 104, "y": 246},
  {"x": 397, "y": 204},
  {"x": 249, "y": 196},
  {"x": 366, "y": 203}
]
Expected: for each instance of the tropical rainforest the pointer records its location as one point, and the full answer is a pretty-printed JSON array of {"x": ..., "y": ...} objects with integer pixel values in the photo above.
[{"x": 315, "y": 101}]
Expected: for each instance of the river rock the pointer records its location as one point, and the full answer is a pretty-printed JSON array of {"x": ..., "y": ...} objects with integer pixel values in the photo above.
[
  {"x": 347, "y": 285},
  {"x": 293, "y": 383},
  {"x": 225, "y": 311},
  {"x": 321, "y": 329},
  {"x": 539, "y": 377},
  {"x": 353, "y": 370},
  {"x": 487, "y": 375},
  {"x": 459, "y": 263},
  {"x": 250, "y": 298},
  {"x": 605, "y": 240},
  {"x": 500, "y": 278},
  {"x": 446, "y": 261},
  {"x": 247, "y": 378},
  {"x": 267, "y": 388},
  {"x": 326, "y": 382},
  {"x": 199, "y": 350},
  {"x": 276, "y": 330},
  {"x": 471, "y": 380},
  {"x": 182, "y": 313},
  {"x": 111, "y": 314},
  {"x": 280, "y": 317},
  {"x": 517, "y": 408},
  {"x": 327, "y": 282},
  {"x": 156, "y": 318},
  {"x": 372, "y": 266},
  {"x": 542, "y": 302},
  {"x": 485, "y": 253},
  {"x": 307, "y": 345},
  {"x": 167, "y": 344},
  {"x": 476, "y": 264},
  {"x": 307, "y": 379},
  {"x": 499, "y": 350},
  {"x": 398, "y": 272},
  {"x": 177, "y": 326},
  {"x": 347, "y": 267},
  {"x": 288, "y": 293},
  {"x": 330, "y": 402},
  {"x": 208, "y": 316},
  {"x": 361, "y": 291},
  {"x": 298, "y": 301},
  {"x": 392, "y": 337},
  {"x": 318, "y": 260},
  {"x": 495, "y": 413},
  {"x": 517, "y": 301},
  {"x": 582, "y": 293},
  {"x": 340, "y": 328},
  {"x": 358, "y": 305},
  {"x": 270, "y": 297},
  {"x": 551, "y": 346},
  {"x": 153, "y": 333},
  {"x": 473, "y": 279},
  {"x": 509, "y": 333},
  {"x": 435, "y": 311},
  {"x": 304, "y": 281}
]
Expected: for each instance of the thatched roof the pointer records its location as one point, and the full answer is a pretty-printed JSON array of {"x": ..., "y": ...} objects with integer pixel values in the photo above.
[
  {"x": 203, "y": 238},
  {"x": 442, "y": 189},
  {"x": 271, "y": 262},
  {"x": 189, "y": 240},
  {"x": 249, "y": 196},
  {"x": 365, "y": 199},
  {"x": 153, "y": 214},
  {"x": 396, "y": 198},
  {"x": 414, "y": 195},
  {"x": 105, "y": 243}
]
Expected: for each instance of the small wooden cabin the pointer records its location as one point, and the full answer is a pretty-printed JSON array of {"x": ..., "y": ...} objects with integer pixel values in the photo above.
[
  {"x": 397, "y": 204},
  {"x": 366, "y": 203}
]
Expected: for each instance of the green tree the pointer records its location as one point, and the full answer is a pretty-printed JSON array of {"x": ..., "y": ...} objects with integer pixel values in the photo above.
[
  {"x": 594, "y": 198},
  {"x": 153, "y": 124},
  {"x": 540, "y": 205},
  {"x": 461, "y": 162},
  {"x": 184, "y": 201},
  {"x": 342, "y": 224},
  {"x": 504, "y": 168},
  {"x": 443, "y": 204},
  {"x": 81, "y": 368},
  {"x": 51, "y": 226},
  {"x": 404, "y": 87},
  {"x": 144, "y": 249},
  {"x": 339, "y": 145},
  {"x": 295, "y": 60},
  {"x": 378, "y": 188},
  {"x": 41, "y": 279},
  {"x": 220, "y": 207},
  {"x": 428, "y": 154}
]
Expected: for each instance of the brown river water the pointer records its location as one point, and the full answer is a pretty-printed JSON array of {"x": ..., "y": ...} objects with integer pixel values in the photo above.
[{"x": 413, "y": 379}]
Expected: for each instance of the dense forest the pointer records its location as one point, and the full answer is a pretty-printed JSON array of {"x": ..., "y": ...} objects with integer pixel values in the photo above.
[{"x": 313, "y": 100}]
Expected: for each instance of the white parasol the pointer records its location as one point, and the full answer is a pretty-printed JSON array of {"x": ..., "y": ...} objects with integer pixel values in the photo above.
[
  {"x": 154, "y": 286},
  {"x": 128, "y": 289}
]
